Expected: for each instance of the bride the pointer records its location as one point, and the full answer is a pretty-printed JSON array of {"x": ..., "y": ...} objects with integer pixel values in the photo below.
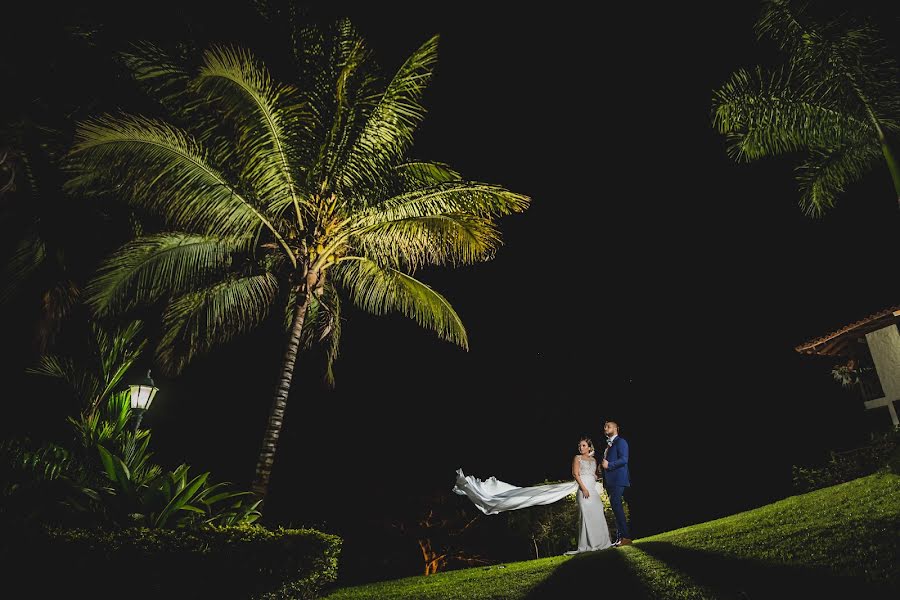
[{"x": 494, "y": 496}]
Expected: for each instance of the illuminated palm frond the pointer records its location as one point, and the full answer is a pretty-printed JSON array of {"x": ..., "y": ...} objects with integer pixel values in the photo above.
[
  {"x": 388, "y": 132},
  {"x": 826, "y": 174},
  {"x": 766, "y": 114},
  {"x": 479, "y": 199},
  {"x": 417, "y": 174},
  {"x": 323, "y": 325},
  {"x": 197, "y": 321},
  {"x": 447, "y": 239},
  {"x": 380, "y": 290},
  {"x": 155, "y": 266},
  {"x": 349, "y": 99},
  {"x": 269, "y": 121},
  {"x": 162, "y": 169}
]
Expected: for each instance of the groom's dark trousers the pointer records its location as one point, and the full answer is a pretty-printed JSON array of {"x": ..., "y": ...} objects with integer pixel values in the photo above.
[
  {"x": 615, "y": 502},
  {"x": 616, "y": 479}
]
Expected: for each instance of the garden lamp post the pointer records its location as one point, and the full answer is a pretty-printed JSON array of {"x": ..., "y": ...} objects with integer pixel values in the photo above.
[{"x": 142, "y": 393}]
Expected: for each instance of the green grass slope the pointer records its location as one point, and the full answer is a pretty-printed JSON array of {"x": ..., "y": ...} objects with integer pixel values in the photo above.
[{"x": 838, "y": 542}]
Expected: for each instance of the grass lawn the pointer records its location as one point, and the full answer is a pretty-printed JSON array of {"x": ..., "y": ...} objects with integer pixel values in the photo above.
[{"x": 838, "y": 542}]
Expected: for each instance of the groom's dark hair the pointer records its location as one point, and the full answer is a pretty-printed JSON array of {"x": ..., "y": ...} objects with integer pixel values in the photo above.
[{"x": 616, "y": 423}]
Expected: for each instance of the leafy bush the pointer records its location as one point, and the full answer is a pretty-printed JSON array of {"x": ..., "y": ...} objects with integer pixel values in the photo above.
[
  {"x": 551, "y": 529},
  {"x": 170, "y": 499},
  {"x": 229, "y": 562},
  {"x": 883, "y": 453},
  {"x": 41, "y": 483}
]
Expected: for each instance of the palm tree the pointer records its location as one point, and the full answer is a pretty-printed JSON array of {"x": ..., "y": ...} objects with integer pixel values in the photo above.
[
  {"x": 39, "y": 259},
  {"x": 283, "y": 197},
  {"x": 836, "y": 100},
  {"x": 44, "y": 258}
]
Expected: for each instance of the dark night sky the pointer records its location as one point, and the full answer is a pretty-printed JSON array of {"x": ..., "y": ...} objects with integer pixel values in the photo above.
[{"x": 653, "y": 280}]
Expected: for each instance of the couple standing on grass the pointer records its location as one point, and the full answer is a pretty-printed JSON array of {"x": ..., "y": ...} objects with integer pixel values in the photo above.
[{"x": 493, "y": 496}]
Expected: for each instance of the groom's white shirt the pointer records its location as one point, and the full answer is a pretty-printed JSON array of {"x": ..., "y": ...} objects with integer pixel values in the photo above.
[{"x": 609, "y": 443}]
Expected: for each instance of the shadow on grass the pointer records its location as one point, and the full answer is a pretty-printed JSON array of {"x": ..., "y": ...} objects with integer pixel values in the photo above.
[
  {"x": 746, "y": 579},
  {"x": 602, "y": 574}
]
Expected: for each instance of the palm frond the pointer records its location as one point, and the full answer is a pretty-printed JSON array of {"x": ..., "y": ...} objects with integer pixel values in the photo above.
[
  {"x": 309, "y": 47},
  {"x": 332, "y": 334},
  {"x": 825, "y": 175},
  {"x": 116, "y": 352},
  {"x": 153, "y": 266},
  {"x": 162, "y": 78},
  {"x": 57, "y": 302},
  {"x": 340, "y": 82},
  {"x": 162, "y": 169},
  {"x": 764, "y": 114},
  {"x": 848, "y": 62},
  {"x": 44, "y": 462},
  {"x": 451, "y": 197},
  {"x": 388, "y": 133},
  {"x": 867, "y": 67},
  {"x": 83, "y": 383},
  {"x": 447, "y": 239},
  {"x": 27, "y": 257},
  {"x": 323, "y": 324},
  {"x": 269, "y": 121},
  {"x": 51, "y": 365},
  {"x": 787, "y": 24},
  {"x": 167, "y": 79},
  {"x": 194, "y": 322},
  {"x": 379, "y": 290},
  {"x": 347, "y": 99},
  {"x": 423, "y": 173}
]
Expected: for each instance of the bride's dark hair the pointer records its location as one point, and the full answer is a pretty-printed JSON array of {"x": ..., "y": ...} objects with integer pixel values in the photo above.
[{"x": 590, "y": 444}]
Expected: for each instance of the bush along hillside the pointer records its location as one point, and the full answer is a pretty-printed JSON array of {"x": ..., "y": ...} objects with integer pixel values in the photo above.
[{"x": 882, "y": 452}]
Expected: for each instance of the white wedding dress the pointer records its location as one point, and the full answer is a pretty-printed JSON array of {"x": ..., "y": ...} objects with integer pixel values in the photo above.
[
  {"x": 493, "y": 496},
  {"x": 593, "y": 532}
]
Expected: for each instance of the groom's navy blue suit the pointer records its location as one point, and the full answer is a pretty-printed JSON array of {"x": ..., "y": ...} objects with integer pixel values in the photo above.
[{"x": 615, "y": 478}]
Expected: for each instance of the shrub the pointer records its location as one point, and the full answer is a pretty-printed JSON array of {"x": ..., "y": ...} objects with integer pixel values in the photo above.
[
  {"x": 883, "y": 453},
  {"x": 229, "y": 562}
]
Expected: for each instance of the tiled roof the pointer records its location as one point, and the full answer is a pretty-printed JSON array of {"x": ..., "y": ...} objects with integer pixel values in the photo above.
[{"x": 835, "y": 343}]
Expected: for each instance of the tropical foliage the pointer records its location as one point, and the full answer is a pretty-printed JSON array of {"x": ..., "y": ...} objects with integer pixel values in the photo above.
[
  {"x": 282, "y": 199},
  {"x": 169, "y": 499},
  {"x": 836, "y": 101},
  {"x": 97, "y": 377},
  {"x": 108, "y": 477}
]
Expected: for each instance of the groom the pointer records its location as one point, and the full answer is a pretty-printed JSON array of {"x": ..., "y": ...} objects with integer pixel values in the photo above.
[{"x": 615, "y": 478}]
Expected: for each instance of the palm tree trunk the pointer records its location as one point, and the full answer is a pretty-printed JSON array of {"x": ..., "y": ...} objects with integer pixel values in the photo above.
[
  {"x": 892, "y": 166},
  {"x": 886, "y": 151},
  {"x": 276, "y": 416}
]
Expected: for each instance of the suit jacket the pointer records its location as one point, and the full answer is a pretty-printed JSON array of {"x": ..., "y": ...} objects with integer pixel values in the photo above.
[{"x": 617, "y": 457}]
